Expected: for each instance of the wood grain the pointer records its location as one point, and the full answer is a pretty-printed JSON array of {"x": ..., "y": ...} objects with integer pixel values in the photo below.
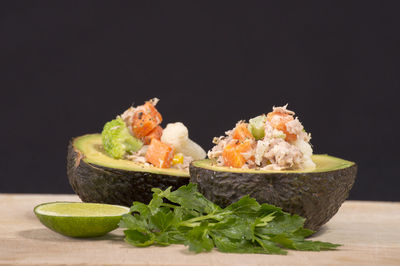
[{"x": 369, "y": 232}]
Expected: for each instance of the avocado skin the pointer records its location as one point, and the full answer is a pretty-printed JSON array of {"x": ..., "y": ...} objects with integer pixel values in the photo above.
[
  {"x": 316, "y": 196},
  {"x": 95, "y": 183}
]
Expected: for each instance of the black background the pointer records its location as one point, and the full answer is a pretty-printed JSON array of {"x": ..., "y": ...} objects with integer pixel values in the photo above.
[{"x": 68, "y": 67}]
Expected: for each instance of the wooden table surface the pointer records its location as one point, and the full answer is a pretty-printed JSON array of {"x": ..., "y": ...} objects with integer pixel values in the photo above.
[{"x": 369, "y": 232}]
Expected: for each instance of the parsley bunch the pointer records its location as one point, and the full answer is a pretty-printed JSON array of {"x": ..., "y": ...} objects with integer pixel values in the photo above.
[{"x": 185, "y": 216}]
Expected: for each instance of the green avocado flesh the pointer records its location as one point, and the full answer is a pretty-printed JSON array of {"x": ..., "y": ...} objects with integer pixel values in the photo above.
[
  {"x": 97, "y": 177},
  {"x": 315, "y": 194},
  {"x": 324, "y": 163},
  {"x": 91, "y": 146}
]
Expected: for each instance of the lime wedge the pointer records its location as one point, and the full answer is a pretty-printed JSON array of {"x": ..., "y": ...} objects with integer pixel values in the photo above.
[{"x": 77, "y": 219}]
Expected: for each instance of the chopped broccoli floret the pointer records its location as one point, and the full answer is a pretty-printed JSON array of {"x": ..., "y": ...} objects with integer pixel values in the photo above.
[{"x": 117, "y": 140}]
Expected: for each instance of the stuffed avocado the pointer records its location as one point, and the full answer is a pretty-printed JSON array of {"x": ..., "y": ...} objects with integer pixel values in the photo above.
[
  {"x": 132, "y": 155},
  {"x": 270, "y": 158},
  {"x": 137, "y": 136}
]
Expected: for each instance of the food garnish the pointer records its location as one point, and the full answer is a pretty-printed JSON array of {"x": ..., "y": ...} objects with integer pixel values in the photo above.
[{"x": 185, "y": 216}]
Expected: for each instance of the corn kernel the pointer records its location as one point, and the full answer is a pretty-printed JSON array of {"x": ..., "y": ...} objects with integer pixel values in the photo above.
[{"x": 178, "y": 158}]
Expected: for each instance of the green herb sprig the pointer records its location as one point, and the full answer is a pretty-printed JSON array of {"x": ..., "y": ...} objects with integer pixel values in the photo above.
[{"x": 185, "y": 216}]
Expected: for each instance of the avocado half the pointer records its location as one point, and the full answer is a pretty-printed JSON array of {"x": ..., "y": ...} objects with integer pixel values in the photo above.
[
  {"x": 316, "y": 195},
  {"x": 97, "y": 177}
]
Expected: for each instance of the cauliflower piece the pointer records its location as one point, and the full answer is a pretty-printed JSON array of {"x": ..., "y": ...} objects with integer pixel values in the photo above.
[
  {"x": 193, "y": 150},
  {"x": 117, "y": 140},
  {"x": 177, "y": 135}
]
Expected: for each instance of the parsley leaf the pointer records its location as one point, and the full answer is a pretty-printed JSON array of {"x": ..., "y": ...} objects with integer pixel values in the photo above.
[
  {"x": 188, "y": 197},
  {"x": 185, "y": 216},
  {"x": 198, "y": 239}
]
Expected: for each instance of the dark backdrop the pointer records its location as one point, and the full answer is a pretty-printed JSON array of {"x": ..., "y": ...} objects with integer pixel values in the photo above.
[{"x": 68, "y": 67}]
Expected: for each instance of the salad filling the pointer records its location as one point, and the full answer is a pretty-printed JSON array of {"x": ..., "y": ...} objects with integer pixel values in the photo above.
[
  {"x": 276, "y": 141},
  {"x": 137, "y": 135}
]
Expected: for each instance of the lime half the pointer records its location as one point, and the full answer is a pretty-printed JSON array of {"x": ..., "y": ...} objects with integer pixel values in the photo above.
[{"x": 77, "y": 219}]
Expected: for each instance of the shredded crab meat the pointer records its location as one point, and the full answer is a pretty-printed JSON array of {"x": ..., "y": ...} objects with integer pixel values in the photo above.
[
  {"x": 261, "y": 148},
  {"x": 283, "y": 110},
  {"x": 294, "y": 127},
  {"x": 127, "y": 116},
  {"x": 138, "y": 157},
  {"x": 154, "y": 101},
  {"x": 216, "y": 151},
  {"x": 272, "y": 152},
  {"x": 272, "y": 133},
  {"x": 282, "y": 155}
]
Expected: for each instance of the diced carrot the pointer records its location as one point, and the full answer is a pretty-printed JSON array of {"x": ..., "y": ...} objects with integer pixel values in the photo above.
[
  {"x": 233, "y": 153},
  {"x": 232, "y": 156},
  {"x": 244, "y": 146},
  {"x": 278, "y": 121},
  {"x": 159, "y": 154},
  {"x": 154, "y": 134},
  {"x": 241, "y": 132},
  {"x": 145, "y": 119}
]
